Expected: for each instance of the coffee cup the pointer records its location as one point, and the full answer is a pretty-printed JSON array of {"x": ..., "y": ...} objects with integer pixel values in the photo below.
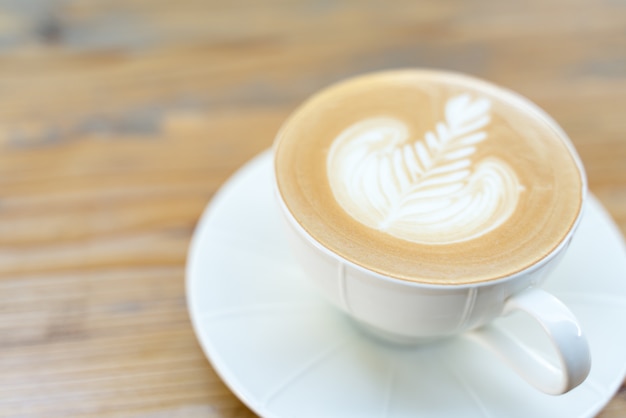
[{"x": 425, "y": 204}]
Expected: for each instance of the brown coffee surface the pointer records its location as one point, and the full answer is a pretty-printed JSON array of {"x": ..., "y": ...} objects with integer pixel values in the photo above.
[{"x": 429, "y": 176}]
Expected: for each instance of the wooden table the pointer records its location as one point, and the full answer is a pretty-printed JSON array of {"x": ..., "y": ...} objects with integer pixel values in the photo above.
[{"x": 120, "y": 119}]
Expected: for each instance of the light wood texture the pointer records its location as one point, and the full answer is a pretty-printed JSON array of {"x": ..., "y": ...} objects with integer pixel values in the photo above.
[{"x": 120, "y": 119}]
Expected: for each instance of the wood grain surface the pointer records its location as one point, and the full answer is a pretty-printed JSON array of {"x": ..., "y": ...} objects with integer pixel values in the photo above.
[{"x": 119, "y": 120}]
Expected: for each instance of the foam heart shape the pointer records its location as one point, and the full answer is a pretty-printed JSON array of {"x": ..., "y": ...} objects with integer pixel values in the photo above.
[{"x": 429, "y": 190}]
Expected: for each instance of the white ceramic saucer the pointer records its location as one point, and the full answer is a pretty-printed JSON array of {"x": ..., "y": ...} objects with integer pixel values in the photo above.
[{"x": 285, "y": 352}]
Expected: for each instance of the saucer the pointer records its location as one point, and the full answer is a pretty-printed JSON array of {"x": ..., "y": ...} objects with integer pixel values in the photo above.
[{"x": 286, "y": 352}]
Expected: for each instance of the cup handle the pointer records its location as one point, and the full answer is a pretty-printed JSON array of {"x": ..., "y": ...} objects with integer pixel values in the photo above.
[{"x": 566, "y": 336}]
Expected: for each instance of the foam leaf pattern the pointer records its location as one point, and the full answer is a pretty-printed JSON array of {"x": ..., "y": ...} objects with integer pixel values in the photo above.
[{"x": 429, "y": 190}]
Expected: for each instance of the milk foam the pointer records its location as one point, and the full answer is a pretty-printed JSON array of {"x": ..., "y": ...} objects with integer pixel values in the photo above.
[
  {"x": 427, "y": 190},
  {"x": 429, "y": 177}
]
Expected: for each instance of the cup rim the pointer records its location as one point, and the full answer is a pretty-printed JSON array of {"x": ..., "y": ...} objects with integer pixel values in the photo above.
[{"x": 539, "y": 112}]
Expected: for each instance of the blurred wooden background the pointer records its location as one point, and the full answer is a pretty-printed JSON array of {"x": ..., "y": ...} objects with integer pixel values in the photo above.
[{"x": 120, "y": 119}]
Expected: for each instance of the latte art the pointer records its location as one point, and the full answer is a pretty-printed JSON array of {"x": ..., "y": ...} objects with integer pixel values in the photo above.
[
  {"x": 428, "y": 176},
  {"x": 429, "y": 190}
]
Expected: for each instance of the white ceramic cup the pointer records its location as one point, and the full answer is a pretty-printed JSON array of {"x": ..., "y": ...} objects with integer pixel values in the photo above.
[{"x": 412, "y": 312}]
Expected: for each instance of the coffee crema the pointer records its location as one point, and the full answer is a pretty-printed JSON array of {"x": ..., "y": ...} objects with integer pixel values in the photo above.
[{"x": 429, "y": 176}]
